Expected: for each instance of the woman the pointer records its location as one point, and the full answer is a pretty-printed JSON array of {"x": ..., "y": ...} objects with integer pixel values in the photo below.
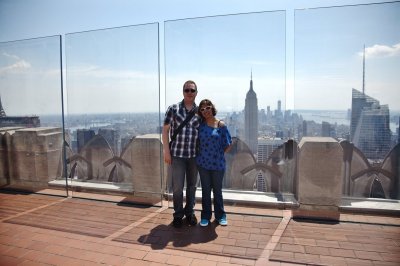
[{"x": 215, "y": 140}]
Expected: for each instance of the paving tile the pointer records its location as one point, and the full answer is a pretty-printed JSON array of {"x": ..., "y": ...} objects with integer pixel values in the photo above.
[
  {"x": 198, "y": 262},
  {"x": 306, "y": 258},
  {"x": 241, "y": 261},
  {"x": 293, "y": 248},
  {"x": 135, "y": 262},
  {"x": 316, "y": 250},
  {"x": 367, "y": 255},
  {"x": 329, "y": 260},
  {"x": 135, "y": 254},
  {"x": 391, "y": 257},
  {"x": 344, "y": 253},
  {"x": 234, "y": 251},
  {"x": 179, "y": 260},
  {"x": 384, "y": 263},
  {"x": 16, "y": 252},
  {"x": 109, "y": 259},
  {"x": 8, "y": 260},
  {"x": 327, "y": 243},
  {"x": 156, "y": 257},
  {"x": 358, "y": 262}
]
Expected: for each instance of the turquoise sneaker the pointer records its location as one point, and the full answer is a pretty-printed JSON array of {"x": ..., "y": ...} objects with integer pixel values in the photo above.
[
  {"x": 204, "y": 222},
  {"x": 223, "y": 221}
]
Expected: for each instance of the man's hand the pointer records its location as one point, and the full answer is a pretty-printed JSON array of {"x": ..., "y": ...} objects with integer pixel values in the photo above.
[
  {"x": 165, "y": 140},
  {"x": 167, "y": 156}
]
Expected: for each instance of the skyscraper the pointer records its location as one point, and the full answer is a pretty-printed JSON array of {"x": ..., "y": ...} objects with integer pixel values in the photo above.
[
  {"x": 83, "y": 137},
  {"x": 2, "y": 112},
  {"x": 265, "y": 148},
  {"x": 251, "y": 118},
  {"x": 370, "y": 125}
]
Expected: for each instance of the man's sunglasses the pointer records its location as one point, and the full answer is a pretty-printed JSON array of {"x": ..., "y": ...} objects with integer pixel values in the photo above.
[
  {"x": 205, "y": 108},
  {"x": 189, "y": 90}
]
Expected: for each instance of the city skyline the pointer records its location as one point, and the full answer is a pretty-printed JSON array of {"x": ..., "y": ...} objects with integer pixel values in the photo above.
[{"x": 107, "y": 69}]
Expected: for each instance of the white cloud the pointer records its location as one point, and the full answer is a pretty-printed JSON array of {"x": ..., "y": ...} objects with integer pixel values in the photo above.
[
  {"x": 92, "y": 71},
  {"x": 11, "y": 56},
  {"x": 377, "y": 51},
  {"x": 19, "y": 64}
]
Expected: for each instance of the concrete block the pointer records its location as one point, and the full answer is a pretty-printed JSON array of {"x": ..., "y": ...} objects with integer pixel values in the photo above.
[{"x": 319, "y": 184}]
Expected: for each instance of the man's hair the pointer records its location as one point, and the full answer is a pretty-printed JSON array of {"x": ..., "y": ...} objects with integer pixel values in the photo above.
[{"x": 190, "y": 82}]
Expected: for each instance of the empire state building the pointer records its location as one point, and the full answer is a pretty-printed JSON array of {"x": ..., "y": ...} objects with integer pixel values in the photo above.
[{"x": 251, "y": 118}]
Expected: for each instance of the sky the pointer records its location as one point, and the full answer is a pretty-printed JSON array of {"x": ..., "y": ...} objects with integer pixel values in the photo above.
[{"x": 134, "y": 56}]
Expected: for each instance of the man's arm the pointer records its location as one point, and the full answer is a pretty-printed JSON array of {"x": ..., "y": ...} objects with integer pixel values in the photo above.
[{"x": 165, "y": 142}]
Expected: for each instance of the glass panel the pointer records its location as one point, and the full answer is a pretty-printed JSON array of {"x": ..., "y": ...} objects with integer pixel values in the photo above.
[
  {"x": 113, "y": 112},
  {"x": 346, "y": 87},
  {"x": 238, "y": 62},
  {"x": 31, "y": 114}
]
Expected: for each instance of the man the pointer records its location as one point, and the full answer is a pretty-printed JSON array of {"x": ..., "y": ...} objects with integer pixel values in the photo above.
[{"x": 182, "y": 152}]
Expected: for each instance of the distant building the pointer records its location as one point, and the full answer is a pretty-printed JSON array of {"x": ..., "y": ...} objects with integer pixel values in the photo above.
[
  {"x": 304, "y": 129},
  {"x": 398, "y": 132},
  {"x": 278, "y": 112},
  {"x": 17, "y": 121},
  {"x": 370, "y": 126},
  {"x": 327, "y": 129},
  {"x": 265, "y": 148},
  {"x": 2, "y": 112},
  {"x": 251, "y": 118},
  {"x": 112, "y": 137},
  {"x": 84, "y": 136}
]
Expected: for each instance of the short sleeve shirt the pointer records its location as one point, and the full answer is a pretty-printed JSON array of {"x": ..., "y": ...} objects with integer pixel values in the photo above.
[
  {"x": 213, "y": 142},
  {"x": 184, "y": 145}
]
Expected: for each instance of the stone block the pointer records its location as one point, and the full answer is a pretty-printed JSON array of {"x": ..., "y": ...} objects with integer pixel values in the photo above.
[
  {"x": 147, "y": 164},
  {"x": 35, "y": 155},
  {"x": 319, "y": 184}
]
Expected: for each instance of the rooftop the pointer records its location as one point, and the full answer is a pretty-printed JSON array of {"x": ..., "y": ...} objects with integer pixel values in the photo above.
[{"x": 39, "y": 229}]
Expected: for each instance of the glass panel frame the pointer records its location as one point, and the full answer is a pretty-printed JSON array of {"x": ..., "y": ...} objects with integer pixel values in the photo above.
[
  {"x": 31, "y": 115},
  {"x": 349, "y": 68},
  {"x": 235, "y": 59},
  {"x": 113, "y": 113}
]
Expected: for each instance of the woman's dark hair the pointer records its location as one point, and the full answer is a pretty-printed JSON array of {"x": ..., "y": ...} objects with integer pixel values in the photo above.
[{"x": 204, "y": 103}]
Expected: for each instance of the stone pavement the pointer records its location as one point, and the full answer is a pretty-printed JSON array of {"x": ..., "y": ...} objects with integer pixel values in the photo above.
[{"x": 40, "y": 229}]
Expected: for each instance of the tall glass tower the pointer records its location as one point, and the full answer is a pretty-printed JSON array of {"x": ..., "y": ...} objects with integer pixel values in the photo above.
[{"x": 370, "y": 126}]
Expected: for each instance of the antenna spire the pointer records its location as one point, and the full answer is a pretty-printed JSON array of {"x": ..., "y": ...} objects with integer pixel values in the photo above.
[
  {"x": 363, "y": 84},
  {"x": 251, "y": 79}
]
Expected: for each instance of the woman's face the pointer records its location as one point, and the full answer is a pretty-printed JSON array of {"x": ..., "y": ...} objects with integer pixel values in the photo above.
[{"x": 206, "y": 111}]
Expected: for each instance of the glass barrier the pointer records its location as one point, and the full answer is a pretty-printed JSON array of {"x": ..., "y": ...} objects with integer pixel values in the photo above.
[
  {"x": 31, "y": 115},
  {"x": 346, "y": 87},
  {"x": 112, "y": 117},
  {"x": 237, "y": 62}
]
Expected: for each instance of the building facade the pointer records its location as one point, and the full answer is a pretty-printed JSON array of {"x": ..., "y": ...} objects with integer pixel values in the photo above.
[{"x": 251, "y": 118}]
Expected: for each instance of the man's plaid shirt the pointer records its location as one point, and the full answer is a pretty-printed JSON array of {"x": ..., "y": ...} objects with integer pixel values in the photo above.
[{"x": 184, "y": 145}]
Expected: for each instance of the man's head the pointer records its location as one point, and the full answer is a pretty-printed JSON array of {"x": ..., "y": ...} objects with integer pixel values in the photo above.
[{"x": 189, "y": 91}]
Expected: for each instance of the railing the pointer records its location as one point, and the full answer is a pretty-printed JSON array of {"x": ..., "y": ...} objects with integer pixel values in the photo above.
[{"x": 114, "y": 106}]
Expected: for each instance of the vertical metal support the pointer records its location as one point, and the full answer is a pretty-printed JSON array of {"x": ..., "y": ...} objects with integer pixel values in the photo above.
[{"x": 64, "y": 146}]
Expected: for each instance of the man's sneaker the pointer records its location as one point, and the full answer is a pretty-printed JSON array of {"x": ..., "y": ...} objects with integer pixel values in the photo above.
[
  {"x": 204, "y": 222},
  {"x": 191, "y": 219},
  {"x": 177, "y": 222},
  {"x": 223, "y": 221}
]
